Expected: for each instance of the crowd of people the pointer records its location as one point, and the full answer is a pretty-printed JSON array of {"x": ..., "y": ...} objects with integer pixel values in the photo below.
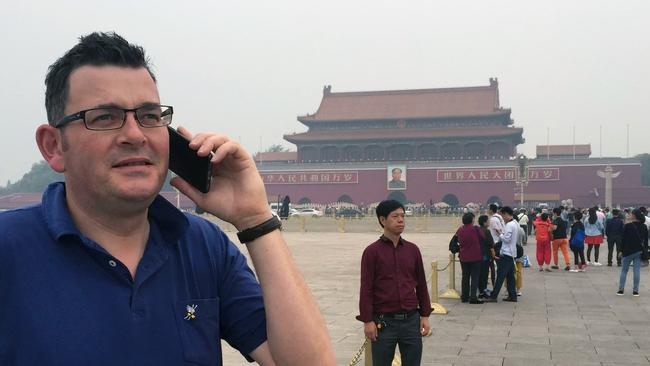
[{"x": 501, "y": 234}]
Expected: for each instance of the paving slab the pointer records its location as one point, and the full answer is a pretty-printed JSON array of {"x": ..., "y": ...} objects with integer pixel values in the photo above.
[{"x": 563, "y": 318}]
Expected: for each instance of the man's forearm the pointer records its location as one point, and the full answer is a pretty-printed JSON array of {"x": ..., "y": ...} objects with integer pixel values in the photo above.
[{"x": 296, "y": 331}]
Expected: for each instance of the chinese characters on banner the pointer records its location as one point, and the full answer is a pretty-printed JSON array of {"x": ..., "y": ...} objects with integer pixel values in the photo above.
[
  {"x": 315, "y": 177},
  {"x": 495, "y": 175}
]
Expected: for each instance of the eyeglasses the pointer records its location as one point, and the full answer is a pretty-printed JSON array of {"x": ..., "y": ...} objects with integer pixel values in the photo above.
[{"x": 112, "y": 118}]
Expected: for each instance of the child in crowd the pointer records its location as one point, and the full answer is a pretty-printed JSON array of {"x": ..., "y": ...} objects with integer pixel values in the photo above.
[
  {"x": 576, "y": 243},
  {"x": 543, "y": 236}
]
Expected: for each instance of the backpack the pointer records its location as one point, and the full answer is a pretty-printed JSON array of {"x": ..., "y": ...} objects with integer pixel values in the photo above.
[
  {"x": 520, "y": 251},
  {"x": 578, "y": 240}
]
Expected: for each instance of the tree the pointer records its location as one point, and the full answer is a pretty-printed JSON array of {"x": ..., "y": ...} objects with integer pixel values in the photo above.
[
  {"x": 645, "y": 168},
  {"x": 276, "y": 148},
  {"x": 40, "y": 175},
  {"x": 34, "y": 181}
]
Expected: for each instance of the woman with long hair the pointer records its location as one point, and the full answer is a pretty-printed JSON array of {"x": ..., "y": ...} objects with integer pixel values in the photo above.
[
  {"x": 635, "y": 241},
  {"x": 594, "y": 231}
]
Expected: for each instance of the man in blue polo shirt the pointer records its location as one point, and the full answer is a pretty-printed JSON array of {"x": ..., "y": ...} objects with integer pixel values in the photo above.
[{"x": 106, "y": 272}]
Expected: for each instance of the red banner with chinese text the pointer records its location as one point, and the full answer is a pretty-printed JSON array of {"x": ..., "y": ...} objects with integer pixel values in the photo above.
[
  {"x": 494, "y": 175},
  {"x": 315, "y": 177}
]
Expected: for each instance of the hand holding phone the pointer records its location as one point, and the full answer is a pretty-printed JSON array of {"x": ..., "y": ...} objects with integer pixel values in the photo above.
[{"x": 184, "y": 161}]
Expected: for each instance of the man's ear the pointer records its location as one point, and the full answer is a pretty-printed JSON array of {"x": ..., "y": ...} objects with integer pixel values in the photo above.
[
  {"x": 382, "y": 221},
  {"x": 48, "y": 140}
]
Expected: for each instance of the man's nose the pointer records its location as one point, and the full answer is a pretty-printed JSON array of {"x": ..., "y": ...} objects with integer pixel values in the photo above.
[{"x": 131, "y": 130}]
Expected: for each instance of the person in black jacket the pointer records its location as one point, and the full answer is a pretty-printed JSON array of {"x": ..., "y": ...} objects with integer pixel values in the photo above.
[
  {"x": 487, "y": 265},
  {"x": 576, "y": 243},
  {"x": 614, "y": 232},
  {"x": 635, "y": 241}
]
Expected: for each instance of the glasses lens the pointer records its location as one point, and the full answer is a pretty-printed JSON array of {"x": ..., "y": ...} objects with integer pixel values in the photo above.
[
  {"x": 154, "y": 116},
  {"x": 104, "y": 119}
]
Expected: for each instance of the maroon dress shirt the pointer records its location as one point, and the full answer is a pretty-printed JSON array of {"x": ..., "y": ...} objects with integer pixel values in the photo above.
[{"x": 392, "y": 280}]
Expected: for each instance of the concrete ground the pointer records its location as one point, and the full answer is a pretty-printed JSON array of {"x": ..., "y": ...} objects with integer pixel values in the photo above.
[{"x": 563, "y": 318}]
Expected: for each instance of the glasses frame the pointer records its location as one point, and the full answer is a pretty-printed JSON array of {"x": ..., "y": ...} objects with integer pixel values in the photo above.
[{"x": 82, "y": 116}]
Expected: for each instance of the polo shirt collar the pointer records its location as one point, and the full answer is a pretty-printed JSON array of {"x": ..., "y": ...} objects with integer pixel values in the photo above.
[
  {"x": 171, "y": 222},
  {"x": 385, "y": 239}
]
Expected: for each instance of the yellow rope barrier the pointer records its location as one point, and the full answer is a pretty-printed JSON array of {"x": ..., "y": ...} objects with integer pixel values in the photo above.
[
  {"x": 451, "y": 292},
  {"x": 437, "y": 308}
]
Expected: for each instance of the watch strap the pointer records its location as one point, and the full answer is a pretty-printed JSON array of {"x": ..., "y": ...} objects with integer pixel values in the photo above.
[{"x": 252, "y": 233}]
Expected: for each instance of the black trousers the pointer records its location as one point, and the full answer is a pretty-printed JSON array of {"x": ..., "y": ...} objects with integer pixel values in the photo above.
[
  {"x": 469, "y": 281},
  {"x": 402, "y": 332},
  {"x": 578, "y": 254},
  {"x": 505, "y": 270},
  {"x": 483, "y": 276},
  {"x": 614, "y": 246},
  {"x": 596, "y": 251}
]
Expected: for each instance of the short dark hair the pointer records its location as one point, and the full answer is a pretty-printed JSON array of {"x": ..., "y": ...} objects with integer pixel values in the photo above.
[
  {"x": 557, "y": 210},
  {"x": 616, "y": 212},
  {"x": 494, "y": 207},
  {"x": 96, "y": 49},
  {"x": 468, "y": 218},
  {"x": 386, "y": 207},
  {"x": 394, "y": 169},
  {"x": 544, "y": 216},
  {"x": 482, "y": 219},
  {"x": 638, "y": 215},
  {"x": 507, "y": 210},
  {"x": 577, "y": 216},
  {"x": 643, "y": 210}
]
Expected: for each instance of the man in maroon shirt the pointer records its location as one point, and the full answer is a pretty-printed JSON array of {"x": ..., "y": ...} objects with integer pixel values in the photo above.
[{"x": 394, "y": 291}]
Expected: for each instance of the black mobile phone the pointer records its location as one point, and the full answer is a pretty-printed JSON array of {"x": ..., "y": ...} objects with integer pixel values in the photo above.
[{"x": 196, "y": 170}]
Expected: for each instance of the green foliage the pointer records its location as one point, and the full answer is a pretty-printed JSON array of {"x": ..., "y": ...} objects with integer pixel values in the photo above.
[
  {"x": 645, "y": 168},
  {"x": 40, "y": 175},
  {"x": 276, "y": 148},
  {"x": 34, "y": 181}
]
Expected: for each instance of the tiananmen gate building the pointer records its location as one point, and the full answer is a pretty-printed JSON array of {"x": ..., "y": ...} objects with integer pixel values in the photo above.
[{"x": 455, "y": 145}]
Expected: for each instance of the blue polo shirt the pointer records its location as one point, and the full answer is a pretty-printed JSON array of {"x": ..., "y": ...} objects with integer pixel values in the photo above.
[{"x": 65, "y": 301}]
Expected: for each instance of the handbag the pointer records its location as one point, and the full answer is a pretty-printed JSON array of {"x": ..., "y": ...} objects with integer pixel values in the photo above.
[{"x": 454, "y": 245}]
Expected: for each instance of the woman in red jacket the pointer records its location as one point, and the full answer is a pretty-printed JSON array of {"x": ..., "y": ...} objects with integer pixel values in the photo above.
[{"x": 471, "y": 255}]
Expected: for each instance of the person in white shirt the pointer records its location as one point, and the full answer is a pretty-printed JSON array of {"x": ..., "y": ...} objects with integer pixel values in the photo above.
[
  {"x": 496, "y": 222},
  {"x": 507, "y": 254}
]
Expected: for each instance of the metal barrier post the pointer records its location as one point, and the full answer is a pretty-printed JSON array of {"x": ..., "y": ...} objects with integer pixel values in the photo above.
[
  {"x": 451, "y": 292},
  {"x": 437, "y": 308},
  {"x": 303, "y": 222},
  {"x": 367, "y": 357}
]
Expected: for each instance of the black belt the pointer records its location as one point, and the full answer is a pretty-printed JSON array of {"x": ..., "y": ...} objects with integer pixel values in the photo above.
[{"x": 399, "y": 315}]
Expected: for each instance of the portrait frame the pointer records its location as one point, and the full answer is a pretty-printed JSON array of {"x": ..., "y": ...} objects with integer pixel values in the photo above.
[{"x": 396, "y": 185}]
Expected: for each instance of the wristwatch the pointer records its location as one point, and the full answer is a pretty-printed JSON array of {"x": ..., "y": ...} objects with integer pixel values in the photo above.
[{"x": 252, "y": 233}]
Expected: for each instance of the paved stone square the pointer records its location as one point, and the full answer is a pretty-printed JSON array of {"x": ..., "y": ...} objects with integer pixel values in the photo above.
[{"x": 563, "y": 318}]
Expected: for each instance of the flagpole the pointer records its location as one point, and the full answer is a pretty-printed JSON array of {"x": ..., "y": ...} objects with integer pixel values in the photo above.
[
  {"x": 574, "y": 142},
  {"x": 627, "y": 143},
  {"x": 548, "y": 142}
]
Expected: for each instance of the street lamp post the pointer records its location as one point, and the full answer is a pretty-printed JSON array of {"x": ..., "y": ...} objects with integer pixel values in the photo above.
[{"x": 522, "y": 176}]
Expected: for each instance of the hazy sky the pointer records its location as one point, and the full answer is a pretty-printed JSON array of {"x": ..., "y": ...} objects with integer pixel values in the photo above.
[{"x": 248, "y": 68}]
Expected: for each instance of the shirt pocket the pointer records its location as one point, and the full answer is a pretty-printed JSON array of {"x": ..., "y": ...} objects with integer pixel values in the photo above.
[{"x": 198, "y": 326}]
